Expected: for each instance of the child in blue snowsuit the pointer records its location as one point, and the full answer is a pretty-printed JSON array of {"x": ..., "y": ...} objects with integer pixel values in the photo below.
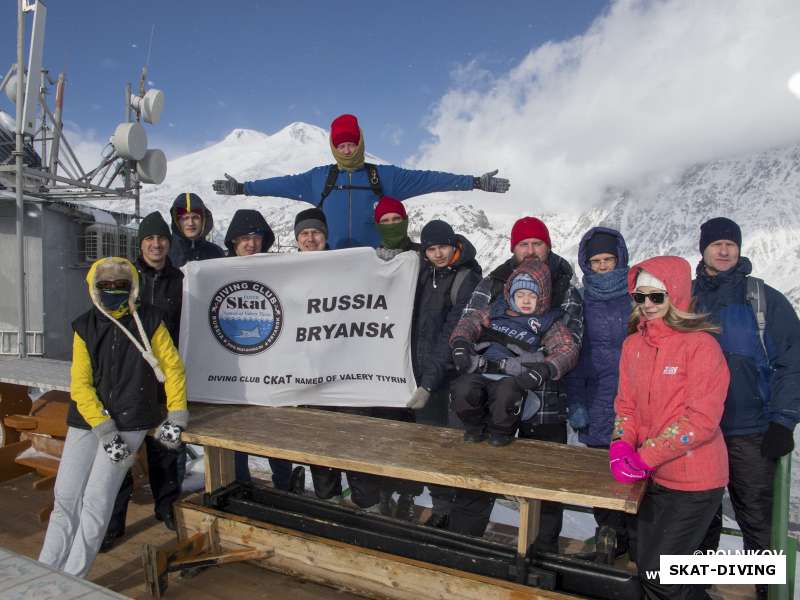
[{"x": 519, "y": 339}]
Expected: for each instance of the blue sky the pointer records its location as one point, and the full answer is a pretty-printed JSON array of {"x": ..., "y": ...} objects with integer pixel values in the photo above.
[{"x": 263, "y": 64}]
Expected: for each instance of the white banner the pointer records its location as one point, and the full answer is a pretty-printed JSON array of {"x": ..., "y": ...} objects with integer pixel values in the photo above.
[{"x": 327, "y": 328}]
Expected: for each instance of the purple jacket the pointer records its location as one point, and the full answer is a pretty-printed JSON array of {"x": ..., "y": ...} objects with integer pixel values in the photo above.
[{"x": 606, "y": 309}]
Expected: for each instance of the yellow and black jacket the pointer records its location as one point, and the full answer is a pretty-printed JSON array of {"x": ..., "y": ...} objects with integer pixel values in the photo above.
[{"x": 110, "y": 377}]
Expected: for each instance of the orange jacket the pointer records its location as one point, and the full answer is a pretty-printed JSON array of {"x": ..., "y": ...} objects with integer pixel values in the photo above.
[{"x": 672, "y": 391}]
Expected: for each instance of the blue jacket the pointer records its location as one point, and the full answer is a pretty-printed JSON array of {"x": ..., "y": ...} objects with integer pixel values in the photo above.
[
  {"x": 351, "y": 213},
  {"x": 593, "y": 382},
  {"x": 762, "y": 389}
]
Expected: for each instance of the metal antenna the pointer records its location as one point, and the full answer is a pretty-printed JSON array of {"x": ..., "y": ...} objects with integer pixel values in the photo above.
[{"x": 150, "y": 45}]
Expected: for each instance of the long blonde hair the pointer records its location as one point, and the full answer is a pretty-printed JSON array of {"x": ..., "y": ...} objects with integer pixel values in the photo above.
[{"x": 677, "y": 319}]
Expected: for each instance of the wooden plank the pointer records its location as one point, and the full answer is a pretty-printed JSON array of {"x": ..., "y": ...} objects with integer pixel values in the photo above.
[
  {"x": 9, "y": 467},
  {"x": 14, "y": 399},
  {"x": 45, "y": 483},
  {"x": 526, "y": 468},
  {"x": 219, "y": 468},
  {"x": 361, "y": 570},
  {"x": 530, "y": 513},
  {"x": 44, "y": 465},
  {"x": 45, "y": 443}
]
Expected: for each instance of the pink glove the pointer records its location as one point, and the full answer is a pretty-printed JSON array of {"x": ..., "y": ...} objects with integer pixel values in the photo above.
[{"x": 626, "y": 464}]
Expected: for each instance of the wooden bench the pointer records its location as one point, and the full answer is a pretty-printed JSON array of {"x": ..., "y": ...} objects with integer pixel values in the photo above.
[{"x": 530, "y": 471}]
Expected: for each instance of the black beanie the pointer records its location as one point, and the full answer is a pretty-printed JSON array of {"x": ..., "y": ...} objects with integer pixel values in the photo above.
[
  {"x": 437, "y": 233},
  {"x": 602, "y": 243},
  {"x": 153, "y": 224},
  {"x": 311, "y": 218},
  {"x": 719, "y": 228}
]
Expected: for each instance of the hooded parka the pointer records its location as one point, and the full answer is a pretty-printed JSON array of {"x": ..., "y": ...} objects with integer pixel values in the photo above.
[
  {"x": 182, "y": 249},
  {"x": 672, "y": 391},
  {"x": 110, "y": 378}
]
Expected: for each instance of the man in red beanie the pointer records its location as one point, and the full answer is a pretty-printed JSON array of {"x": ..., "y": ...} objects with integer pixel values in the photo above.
[
  {"x": 347, "y": 190},
  {"x": 529, "y": 238}
]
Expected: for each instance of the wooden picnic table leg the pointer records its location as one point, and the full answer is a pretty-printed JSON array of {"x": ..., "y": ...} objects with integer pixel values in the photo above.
[
  {"x": 530, "y": 513},
  {"x": 220, "y": 470}
]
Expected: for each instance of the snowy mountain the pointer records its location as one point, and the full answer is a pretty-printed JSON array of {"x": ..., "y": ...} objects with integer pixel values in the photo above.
[{"x": 760, "y": 192}]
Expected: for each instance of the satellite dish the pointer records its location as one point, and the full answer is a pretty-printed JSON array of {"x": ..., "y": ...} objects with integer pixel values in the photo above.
[
  {"x": 153, "y": 167},
  {"x": 150, "y": 106},
  {"x": 130, "y": 141}
]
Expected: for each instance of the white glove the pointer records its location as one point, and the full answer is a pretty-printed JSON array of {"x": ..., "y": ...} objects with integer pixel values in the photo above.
[
  {"x": 169, "y": 432},
  {"x": 419, "y": 398}
]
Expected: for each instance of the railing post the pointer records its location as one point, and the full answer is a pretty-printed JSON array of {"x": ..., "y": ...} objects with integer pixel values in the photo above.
[{"x": 780, "y": 528}]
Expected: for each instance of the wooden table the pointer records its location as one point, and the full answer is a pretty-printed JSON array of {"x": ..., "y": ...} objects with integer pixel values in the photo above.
[{"x": 529, "y": 470}]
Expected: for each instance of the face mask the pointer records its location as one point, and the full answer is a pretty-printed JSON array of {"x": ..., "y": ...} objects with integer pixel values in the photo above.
[
  {"x": 393, "y": 235},
  {"x": 113, "y": 299}
]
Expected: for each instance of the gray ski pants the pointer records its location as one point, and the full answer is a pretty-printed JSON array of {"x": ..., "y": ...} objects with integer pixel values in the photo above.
[{"x": 86, "y": 487}]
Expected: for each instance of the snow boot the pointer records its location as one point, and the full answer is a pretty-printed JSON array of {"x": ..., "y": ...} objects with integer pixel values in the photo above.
[
  {"x": 475, "y": 436},
  {"x": 386, "y": 504},
  {"x": 500, "y": 439},
  {"x": 438, "y": 520},
  {"x": 297, "y": 481},
  {"x": 405, "y": 508}
]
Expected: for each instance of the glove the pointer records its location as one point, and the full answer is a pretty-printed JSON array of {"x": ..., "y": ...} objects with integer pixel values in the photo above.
[
  {"x": 419, "y": 398},
  {"x": 114, "y": 446},
  {"x": 228, "y": 186},
  {"x": 169, "y": 432},
  {"x": 625, "y": 463},
  {"x": 521, "y": 363},
  {"x": 464, "y": 357},
  {"x": 534, "y": 377},
  {"x": 489, "y": 183},
  {"x": 578, "y": 416},
  {"x": 778, "y": 441}
]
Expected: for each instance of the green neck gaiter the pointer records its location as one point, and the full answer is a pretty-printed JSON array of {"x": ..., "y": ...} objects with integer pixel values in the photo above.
[{"x": 393, "y": 235}]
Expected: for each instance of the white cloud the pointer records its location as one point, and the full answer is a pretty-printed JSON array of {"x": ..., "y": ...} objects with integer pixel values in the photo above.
[{"x": 649, "y": 88}]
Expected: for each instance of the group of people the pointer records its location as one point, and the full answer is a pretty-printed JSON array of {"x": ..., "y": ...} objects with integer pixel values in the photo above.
[{"x": 692, "y": 384}]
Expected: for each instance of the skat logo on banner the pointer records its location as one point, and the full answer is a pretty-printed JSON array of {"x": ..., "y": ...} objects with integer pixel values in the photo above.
[{"x": 245, "y": 317}]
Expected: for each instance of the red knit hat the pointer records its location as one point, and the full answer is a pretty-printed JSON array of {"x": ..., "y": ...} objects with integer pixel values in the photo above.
[
  {"x": 386, "y": 205},
  {"x": 345, "y": 129},
  {"x": 529, "y": 227}
]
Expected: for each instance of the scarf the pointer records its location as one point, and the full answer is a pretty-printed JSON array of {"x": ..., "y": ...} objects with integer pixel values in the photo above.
[
  {"x": 606, "y": 286},
  {"x": 393, "y": 235},
  {"x": 114, "y": 299},
  {"x": 353, "y": 162}
]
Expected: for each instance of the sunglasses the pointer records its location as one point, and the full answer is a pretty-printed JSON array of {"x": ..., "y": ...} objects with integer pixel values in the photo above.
[
  {"x": 117, "y": 284},
  {"x": 655, "y": 297}
]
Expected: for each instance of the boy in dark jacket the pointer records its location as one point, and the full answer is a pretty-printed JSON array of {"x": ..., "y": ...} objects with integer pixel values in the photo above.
[
  {"x": 511, "y": 333},
  {"x": 191, "y": 223}
]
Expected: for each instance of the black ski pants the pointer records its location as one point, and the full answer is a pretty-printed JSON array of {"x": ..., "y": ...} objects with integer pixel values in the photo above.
[
  {"x": 281, "y": 470},
  {"x": 672, "y": 522},
  {"x": 751, "y": 489},
  {"x": 492, "y": 403},
  {"x": 166, "y": 469},
  {"x": 471, "y": 509}
]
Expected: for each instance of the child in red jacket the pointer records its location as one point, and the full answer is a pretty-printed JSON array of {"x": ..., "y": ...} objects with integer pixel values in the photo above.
[{"x": 672, "y": 389}]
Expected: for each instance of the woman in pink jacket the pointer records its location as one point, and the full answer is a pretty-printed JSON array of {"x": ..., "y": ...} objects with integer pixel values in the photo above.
[{"x": 672, "y": 388}]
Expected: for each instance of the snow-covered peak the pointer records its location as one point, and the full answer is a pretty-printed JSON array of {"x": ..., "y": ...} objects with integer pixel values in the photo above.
[
  {"x": 303, "y": 133},
  {"x": 245, "y": 135}
]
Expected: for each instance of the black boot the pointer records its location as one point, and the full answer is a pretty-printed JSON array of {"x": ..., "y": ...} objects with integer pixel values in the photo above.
[
  {"x": 110, "y": 540},
  {"x": 405, "y": 508},
  {"x": 386, "y": 504},
  {"x": 605, "y": 544},
  {"x": 500, "y": 439},
  {"x": 438, "y": 520},
  {"x": 297, "y": 481},
  {"x": 475, "y": 436}
]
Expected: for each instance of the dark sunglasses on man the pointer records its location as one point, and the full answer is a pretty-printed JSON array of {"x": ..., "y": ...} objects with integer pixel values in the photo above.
[
  {"x": 117, "y": 284},
  {"x": 655, "y": 297}
]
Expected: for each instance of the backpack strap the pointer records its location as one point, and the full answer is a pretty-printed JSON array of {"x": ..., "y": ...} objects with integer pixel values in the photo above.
[
  {"x": 757, "y": 299},
  {"x": 330, "y": 181},
  {"x": 374, "y": 179},
  {"x": 461, "y": 275}
]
